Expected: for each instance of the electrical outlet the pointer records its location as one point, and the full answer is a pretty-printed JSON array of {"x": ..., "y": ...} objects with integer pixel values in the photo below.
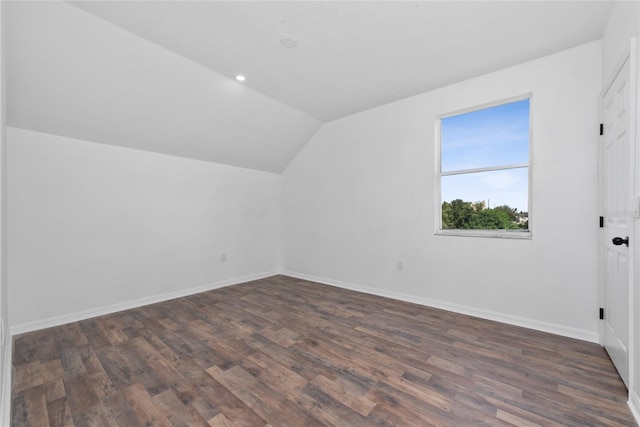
[
  {"x": 400, "y": 265},
  {"x": 223, "y": 258}
]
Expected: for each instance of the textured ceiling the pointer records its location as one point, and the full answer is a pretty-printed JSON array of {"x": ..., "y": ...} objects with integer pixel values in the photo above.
[{"x": 158, "y": 75}]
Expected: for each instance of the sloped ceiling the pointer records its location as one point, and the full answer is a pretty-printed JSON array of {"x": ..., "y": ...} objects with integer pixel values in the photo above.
[
  {"x": 72, "y": 74},
  {"x": 159, "y": 75}
]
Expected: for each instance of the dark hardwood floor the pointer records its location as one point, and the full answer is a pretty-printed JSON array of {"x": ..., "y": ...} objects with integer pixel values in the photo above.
[{"x": 286, "y": 352}]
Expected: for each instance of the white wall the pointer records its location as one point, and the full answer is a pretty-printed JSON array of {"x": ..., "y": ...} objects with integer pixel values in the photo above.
[
  {"x": 5, "y": 350},
  {"x": 93, "y": 225},
  {"x": 634, "y": 395},
  {"x": 360, "y": 196}
]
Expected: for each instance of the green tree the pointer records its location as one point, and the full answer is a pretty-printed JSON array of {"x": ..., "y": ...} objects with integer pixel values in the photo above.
[
  {"x": 512, "y": 213},
  {"x": 462, "y": 215},
  {"x": 492, "y": 219},
  {"x": 447, "y": 216}
]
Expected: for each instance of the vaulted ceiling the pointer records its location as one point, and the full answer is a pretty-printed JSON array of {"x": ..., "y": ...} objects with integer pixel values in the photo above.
[{"x": 160, "y": 75}]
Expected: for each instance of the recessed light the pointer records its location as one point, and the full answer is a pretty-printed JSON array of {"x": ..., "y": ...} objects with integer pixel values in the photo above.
[
  {"x": 240, "y": 78},
  {"x": 289, "y": 42}
]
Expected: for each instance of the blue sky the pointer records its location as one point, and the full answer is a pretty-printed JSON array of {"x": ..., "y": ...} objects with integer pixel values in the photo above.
[{"x": 495, "y": 136}]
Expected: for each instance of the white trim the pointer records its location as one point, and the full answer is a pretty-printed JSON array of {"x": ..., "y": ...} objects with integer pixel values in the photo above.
[
  {"x": 634, "y": 229},
  {"x": 634, "y": 405},
  {"x": 499, "y": 234},
  {"x": 485, "y": 169},
  {"x": 113, "y": 308},
  {"x": 552, "y": 328},
  {"x": 601, "y": 215},
  {"x": 437, "y": 181},
  {"x": 5, "y": 391},
  {"x": 486, "y": 105}
]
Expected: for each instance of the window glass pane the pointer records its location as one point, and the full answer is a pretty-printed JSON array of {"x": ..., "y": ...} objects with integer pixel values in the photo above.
[
  {"x": 486, "y": 200},
  {"x": 494, "y": 136}
]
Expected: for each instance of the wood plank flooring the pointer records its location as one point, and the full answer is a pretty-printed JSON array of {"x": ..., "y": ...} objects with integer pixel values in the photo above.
[{"x": 286, "y": 352}]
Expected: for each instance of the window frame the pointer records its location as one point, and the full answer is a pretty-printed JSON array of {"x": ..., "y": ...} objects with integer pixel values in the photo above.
[{"x": 508, "y": 234}]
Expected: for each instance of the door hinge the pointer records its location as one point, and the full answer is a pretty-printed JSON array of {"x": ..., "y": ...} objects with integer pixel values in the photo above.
[
  {"x": 601, "y": 222},
  {"x": 601, "y": 128},
  {"x": 601, "y": 313}
]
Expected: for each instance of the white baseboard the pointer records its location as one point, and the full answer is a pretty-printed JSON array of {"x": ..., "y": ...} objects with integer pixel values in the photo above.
[
  {"x": 5, "y": 390},
  {"x": 113, "y": 308},
  {"x": 634, "y": 405},
  {"x": 591, "y": 336}
]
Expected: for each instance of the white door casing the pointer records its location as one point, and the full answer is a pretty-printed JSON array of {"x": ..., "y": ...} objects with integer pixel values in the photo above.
[{"x": 616, "y": 194}]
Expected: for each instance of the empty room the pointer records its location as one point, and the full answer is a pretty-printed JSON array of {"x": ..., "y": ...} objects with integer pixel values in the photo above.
[{"x": 319, "y": 213}]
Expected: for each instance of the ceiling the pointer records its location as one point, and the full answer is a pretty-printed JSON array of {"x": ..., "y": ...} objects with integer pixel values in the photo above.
[
  {"x": 353, "y": 56},
  {"x": 159, "y": 75}
]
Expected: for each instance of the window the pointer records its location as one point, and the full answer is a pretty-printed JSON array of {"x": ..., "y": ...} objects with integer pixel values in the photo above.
[{"x": 484, "y": 173}]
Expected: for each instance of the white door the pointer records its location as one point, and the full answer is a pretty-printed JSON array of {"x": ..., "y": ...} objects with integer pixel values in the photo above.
[{"x": 616, "y": 199}]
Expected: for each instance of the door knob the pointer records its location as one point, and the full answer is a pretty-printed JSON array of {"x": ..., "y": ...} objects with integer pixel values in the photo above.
[{"x": 619, "y": 240}]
